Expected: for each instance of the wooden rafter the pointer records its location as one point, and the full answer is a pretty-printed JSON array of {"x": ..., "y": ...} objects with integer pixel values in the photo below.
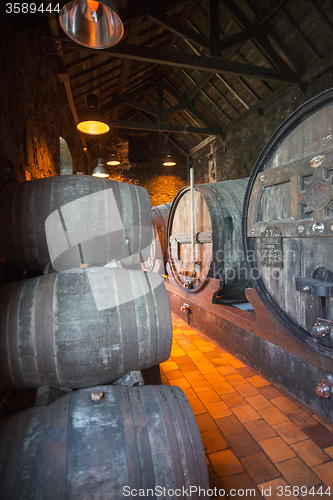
[{"x": 190, "y": 61}]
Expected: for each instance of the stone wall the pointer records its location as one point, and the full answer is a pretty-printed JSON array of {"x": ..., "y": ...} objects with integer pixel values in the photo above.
[
  {"x": 235, "y": 157},
  {"x": 34, "y": 106},
  {"x": 162, "y": 183}
]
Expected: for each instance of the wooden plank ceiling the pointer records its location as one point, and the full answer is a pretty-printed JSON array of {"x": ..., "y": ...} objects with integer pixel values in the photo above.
[{"x": 196, "y": 68}]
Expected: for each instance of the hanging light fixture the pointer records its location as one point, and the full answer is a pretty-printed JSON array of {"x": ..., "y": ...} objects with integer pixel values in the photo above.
[
  {"x": 113, "y": 161},
  {"x": 169, "y": 161},
  {"x": 100, "y": 170},
  {"x": 93, "y": 24},
  {"x": 93, "y": 121}
]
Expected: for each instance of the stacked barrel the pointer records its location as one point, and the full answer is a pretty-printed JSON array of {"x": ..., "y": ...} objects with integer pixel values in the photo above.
[{"x": 88, "y": 316}]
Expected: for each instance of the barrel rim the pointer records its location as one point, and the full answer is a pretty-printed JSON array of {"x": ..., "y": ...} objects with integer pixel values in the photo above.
[
  {"x": 304, "y": 111},
  {"x": 173, "y": 208}
]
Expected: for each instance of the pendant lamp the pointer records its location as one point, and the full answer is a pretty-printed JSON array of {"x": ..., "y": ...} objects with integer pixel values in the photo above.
[
  {"x": 100, "y": 170},
  {"x": 92, "y": 24},
  {"x": 113, "y": 160},
  {"x": 169, "y": 161},
  {"x": 92, "y": 120}
]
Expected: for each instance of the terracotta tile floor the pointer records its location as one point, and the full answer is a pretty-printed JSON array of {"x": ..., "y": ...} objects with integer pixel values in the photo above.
[{"x": 256, "y": 437}]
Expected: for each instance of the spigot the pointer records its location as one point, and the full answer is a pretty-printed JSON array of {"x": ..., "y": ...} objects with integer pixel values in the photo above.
[
  {"x": 185, "y": 308},
  {"x": 324, "y": 389},
  {"x": 321, "y": 330}
]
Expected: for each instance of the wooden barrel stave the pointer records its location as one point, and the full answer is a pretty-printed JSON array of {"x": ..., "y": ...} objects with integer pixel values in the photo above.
[
  {"x": 59, "y": 329},
  {"x": 160, "y": 215},
  {"x": 136, "y": 437}
]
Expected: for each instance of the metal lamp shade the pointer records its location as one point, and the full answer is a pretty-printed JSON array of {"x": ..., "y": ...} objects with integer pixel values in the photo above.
[
  {"x": 92, "y": 24},
  {"x": 92, "y": 120},
  {"x": 169, "y": 161},
  {"x": 100, "y": 170},
  {"x": 113, "y": 160}
]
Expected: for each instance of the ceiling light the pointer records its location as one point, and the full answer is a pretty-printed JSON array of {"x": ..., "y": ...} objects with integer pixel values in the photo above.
[
  {"x": 100, "y": 170},
  {"x": 92, "y": 24},
  {"x": 169, "y": 161},
  {"x": 93, "y": 121},
  {"x": 113, "y": 160}
]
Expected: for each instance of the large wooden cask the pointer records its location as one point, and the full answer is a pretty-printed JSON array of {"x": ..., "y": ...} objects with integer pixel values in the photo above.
[
  {"x": 82, "y": 328},
  {"x": 213, "y": 247},
  {"x": 288, "y": 224},
  {"x": 133, "y": 442},
  {"x": 74, "y": 220},
  {"x": 160, "y": 216},
  {"x": 158, "y": 256}
]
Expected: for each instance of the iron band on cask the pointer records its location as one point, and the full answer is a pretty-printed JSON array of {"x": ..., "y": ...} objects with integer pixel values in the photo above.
[
  {"x": 288, "y": 224},
  {"x": 82, "y": 328},
  {"x": 74, "y": 220},
  {"x": 216, "y": 236},
  {"x": 128, "y": 439}
]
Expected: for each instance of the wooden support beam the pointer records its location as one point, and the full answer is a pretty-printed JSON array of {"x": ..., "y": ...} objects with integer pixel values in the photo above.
[
  {"x": 199, "y": 86},
  {"x": 323, "y": 16},
  {"x": 210, "y": 64},
  {"x": 187, "y": 105},
  {"x": 141, "y": 8},
  {"x": 167, "y": 127},
  {"x": 180, "y": 30},
  {"x": 301, "y": 35},
  {"x": 214, "y": 27}
]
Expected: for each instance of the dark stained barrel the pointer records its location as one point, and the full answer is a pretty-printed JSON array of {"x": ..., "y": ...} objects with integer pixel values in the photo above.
[
  {"x": 74, "y": 220},
  {"x": 160, "y": 216},
  {"x": 83, "y": 327},
  {"x": 288, "y": 224},
  {"x": 157, "y": 259},
  {"x": 218, "y": 251},
  {"x": 133, "y": 439}
]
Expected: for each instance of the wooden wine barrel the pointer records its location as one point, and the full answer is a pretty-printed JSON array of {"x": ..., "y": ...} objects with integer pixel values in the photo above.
[
  {"x": 218, "y": 251},
  {"x": 133, "y": 439},
  {"x": 288, "y": 224},
  {"x": 82, "y": 328},
  {"x": 157, "y": 258},
  {"x": 74, "y": 220},
  {"x": 160, "y": 216}
]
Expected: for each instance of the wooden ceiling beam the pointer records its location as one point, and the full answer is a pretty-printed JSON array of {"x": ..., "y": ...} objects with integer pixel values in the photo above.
[
  {"x": 210, "y": 64},
  {"x": 260, "y": 39},
  {"x": 214, "y": 27},
  {"x": 187, "y": 105},
  {"x": 199, "y": 86},
  {"x": 323, "y": 16},
  {"x": 180, "y": 29},
  {"x": 167, "y": 127},
  {"x": 301, "y": 35},
  {"x": 141, "y": 8}
]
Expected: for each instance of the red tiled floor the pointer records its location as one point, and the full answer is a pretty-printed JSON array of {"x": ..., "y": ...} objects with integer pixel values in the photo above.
[
  {"x": 297, "y": 473},
  {"x": 310, "y": 453},
  {"x": 229, "y": 425},
  {"x": 225, "y": 463},
  {"x": 255, "y": 436},
  {"x": 290, "y": 432},
  {"x": 277, "y": 449}
]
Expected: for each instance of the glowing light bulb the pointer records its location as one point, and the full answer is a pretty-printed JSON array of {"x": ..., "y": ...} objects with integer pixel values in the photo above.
[{"x": 92, "y": 7}]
